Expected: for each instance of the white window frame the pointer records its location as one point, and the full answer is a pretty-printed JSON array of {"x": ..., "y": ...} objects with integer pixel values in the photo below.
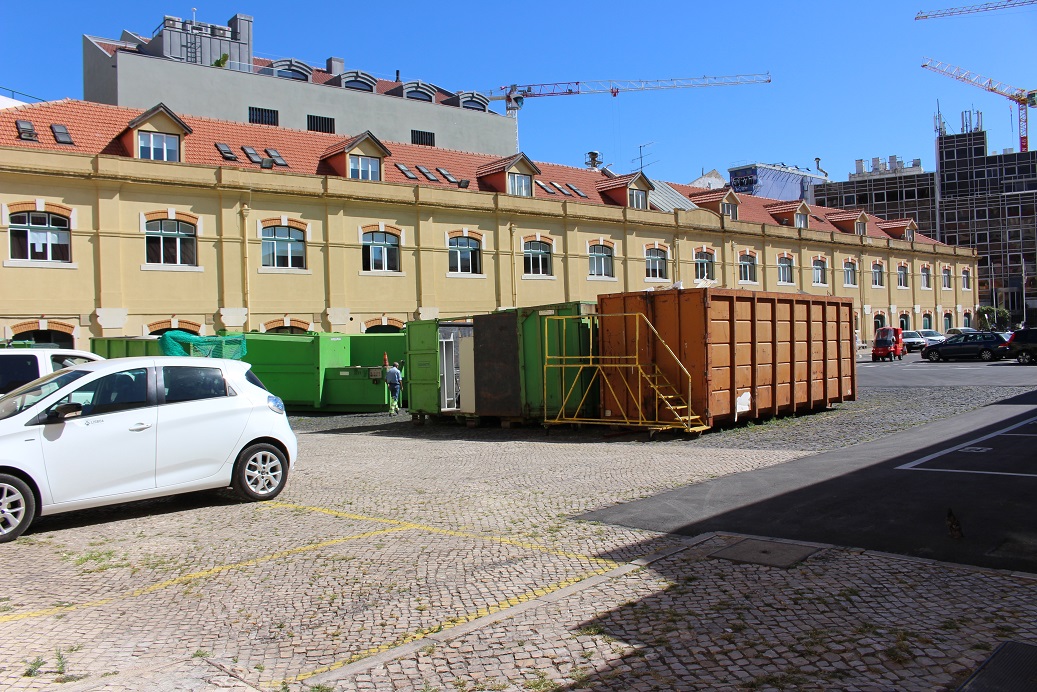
[
  {"x": 730, "y": 210},
  {"x": 365, "y": 167},
  {"x": 290, "y": 241},
  {"x": 925, "y": 279},
  {"x": 902, "y": 277},
  {"x": 849, "y": 273},
  {"x": 785, "y": 268},
  {"x": 820, "y": 270},
  {"x": 948, "y": 279},
  {"x": 656, "y": 261},
  {"x": 520, "y": 184},
  {"x": 379, "y": 261},
  {"x": 180, "y": 235},
  {"x": 601, "y": 260},
  {"x": 747, "y": 268},
  {"x": 158, "y": 137},
  {"x": 878, "y": 275},
  {"x": 860, "y": 227},
  {"x": 966, "y": 280},
  {"x": 801, "y": 220},
  {"x": 42, "y": 235},
  {"x": 458, "y": 253},
  {"x": 536, "y": 258},
  {"x": 705, "y": 265},
  {"x": 637, "y": 199}
]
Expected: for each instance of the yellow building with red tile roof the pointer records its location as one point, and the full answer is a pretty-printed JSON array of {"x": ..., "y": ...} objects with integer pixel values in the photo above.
[{"x": 119, "y": 221}]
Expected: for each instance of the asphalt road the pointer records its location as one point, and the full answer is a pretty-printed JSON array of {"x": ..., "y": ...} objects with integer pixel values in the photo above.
[{"x": 893, "y": 494}]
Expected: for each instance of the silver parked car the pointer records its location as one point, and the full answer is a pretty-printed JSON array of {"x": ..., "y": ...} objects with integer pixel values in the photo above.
[
  {"x": 931, "y": 336},
  {"x": 914, "y": 341}
]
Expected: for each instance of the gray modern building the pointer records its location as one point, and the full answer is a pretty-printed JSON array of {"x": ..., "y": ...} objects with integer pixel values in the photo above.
[
  {"x": 986, "y": 200},
  {"x": 211, "y": 70}
]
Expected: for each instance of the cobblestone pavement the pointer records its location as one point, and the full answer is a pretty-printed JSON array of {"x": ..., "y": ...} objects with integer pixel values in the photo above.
[{"x": 446, "y": 558}]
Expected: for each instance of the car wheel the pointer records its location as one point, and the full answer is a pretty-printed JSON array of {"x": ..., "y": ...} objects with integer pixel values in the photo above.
[
  {"x": 934, "y": 356},
  {"x": 986, "y": 354},
  {"x": 1025, "y": 357},
  {"x": 17, "y": 507},
  {"x": 260, "y": 472}
]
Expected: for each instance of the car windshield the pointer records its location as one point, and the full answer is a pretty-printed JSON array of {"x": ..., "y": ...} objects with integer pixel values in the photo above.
[
  {"x": 15, "y": 402},
  {"x": 929, "y": 332},
  {"x": 912, "y": 335}
]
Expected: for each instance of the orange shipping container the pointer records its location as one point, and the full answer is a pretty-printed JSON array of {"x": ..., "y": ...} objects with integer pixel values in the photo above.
[{"x": 787, "y": 352}]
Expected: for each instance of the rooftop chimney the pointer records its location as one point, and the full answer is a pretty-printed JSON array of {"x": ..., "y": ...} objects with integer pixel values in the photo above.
[
  {"x": 336, "y": 66},
  {"x": 860, "y": 165},
  {"x": 593, "y": 160}
]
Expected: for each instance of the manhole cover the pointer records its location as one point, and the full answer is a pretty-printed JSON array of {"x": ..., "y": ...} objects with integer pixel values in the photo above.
[
  {"x": 770, "y": 553},
  {"x": 1012, "y": 668}
]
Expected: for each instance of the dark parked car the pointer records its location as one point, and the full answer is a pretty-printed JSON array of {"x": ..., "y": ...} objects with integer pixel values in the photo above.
[
  {"x": 913, "y": 341},
  {"x": 1022, "y": 346},
  {"x": 982, "y": 345}
]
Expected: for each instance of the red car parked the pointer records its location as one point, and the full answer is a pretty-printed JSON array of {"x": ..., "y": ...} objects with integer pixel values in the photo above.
[{"x": 889, "y": 343}]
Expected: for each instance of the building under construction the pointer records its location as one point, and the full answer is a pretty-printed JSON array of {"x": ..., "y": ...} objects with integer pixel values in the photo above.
[{"x": 983, "y": 200}]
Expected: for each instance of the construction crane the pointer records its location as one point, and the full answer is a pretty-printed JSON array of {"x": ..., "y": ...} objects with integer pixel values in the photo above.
[
  {"x": 973, "y": 9},
  {"x": 1022, "y": 98},
  {"x": 515, "y": 94}
]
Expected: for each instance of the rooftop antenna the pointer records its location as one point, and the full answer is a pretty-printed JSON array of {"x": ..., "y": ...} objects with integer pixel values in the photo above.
[
  {"x": 817, "y": 163},
  {"x": 194, "y": 18},
  {"x": 640, "y": 160}
]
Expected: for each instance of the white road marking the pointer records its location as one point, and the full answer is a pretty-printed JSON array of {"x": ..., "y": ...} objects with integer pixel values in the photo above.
[{"x": 967, "y": 446}]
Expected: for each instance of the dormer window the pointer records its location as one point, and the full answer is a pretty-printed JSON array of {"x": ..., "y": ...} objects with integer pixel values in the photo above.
[
  {"x": 419, "y": 95},
  {"x": 637, "y": 199},
  {"x": 472, "y": 105},
  {"x": 357, "y": 85},
  {"x": 909, "y": 234},
  {"x": 158, "y": 146},
  {"x": 365, "y": 167},
  {"x": 861, "y": 228},
  {"x": 801, "y": 220},
  {"x": 730, "y": 210},
  {"x": 520, "y": 184}
]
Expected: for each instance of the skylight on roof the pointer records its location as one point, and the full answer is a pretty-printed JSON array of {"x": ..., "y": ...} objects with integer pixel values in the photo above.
[
  {"x": 446, "y": 175},
  {"x": 26, "y": 131},
  {"x": 272, "y": 153},
  {"x": 61, "y": 135},
  {"x": 225, "y": 152},
  {"x": 576, "y": 190},
  {"x": 252, "y": 155},
  {"x": 428, "y": 174},
  {"x": 545, "y": 188},
  {"x": 406, "y": 172},
  {"x": 561, "y": 189}
]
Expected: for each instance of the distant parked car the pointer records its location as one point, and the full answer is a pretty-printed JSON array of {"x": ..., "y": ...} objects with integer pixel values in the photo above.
[
  {"x": 960, "y": 330},
  {"x": 20, "y": 366},
  {"x": 931, "y": 336},
  {"x": 913, "y": 341},
  {"x": 982, "y": 345},
  {"x": 135, "y": 428},
  {"x": 1022, "y": 346}
]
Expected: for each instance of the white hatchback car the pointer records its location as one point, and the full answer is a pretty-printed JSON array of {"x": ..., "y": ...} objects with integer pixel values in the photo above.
[{"x": 136, "y": 428}]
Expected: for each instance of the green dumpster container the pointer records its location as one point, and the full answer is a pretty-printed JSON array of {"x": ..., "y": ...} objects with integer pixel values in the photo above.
[
  {"x": 125, "y": 346},
  {"x": 292, "y": 366}
]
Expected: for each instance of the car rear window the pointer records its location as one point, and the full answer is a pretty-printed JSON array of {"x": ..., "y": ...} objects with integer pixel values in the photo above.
[
  {"x": 883, "y": 342},
  {"x": 190, "y": 383},
  {"x": 16, "y": 370}
]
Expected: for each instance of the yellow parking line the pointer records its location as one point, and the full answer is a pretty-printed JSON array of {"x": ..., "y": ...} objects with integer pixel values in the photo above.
[
  {"x": 448, "y": 532},
  {"x": 449, "y": 623},
  {"x": 193, "y": 576}
]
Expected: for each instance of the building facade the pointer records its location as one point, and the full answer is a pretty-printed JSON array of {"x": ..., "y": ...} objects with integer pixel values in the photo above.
[
  {"x": 986, "y": 201},
  {"x": 126, "y": 222},
  {"x": 211, "y": 70}
]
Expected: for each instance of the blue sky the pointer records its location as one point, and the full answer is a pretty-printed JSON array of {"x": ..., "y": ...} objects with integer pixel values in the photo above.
[{"x": 847, "y": 81}]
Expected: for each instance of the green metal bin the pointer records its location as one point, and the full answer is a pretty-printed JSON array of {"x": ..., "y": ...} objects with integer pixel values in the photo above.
[{"x": 125, "y": 346}]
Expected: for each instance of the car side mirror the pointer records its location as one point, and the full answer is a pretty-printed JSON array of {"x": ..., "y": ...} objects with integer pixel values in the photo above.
[{"x": 64, "y": 412}]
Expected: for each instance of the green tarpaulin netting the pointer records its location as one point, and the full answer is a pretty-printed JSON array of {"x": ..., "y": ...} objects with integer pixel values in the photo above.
[{"x": 181, "y": 343}]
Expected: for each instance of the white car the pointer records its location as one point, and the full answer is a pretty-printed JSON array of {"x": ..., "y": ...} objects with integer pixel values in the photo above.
[
  {"x": 20, "y": 366},
  {"x": 135, "y": 428}
]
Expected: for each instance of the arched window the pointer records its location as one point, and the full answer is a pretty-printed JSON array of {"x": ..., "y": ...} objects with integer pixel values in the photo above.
[
  {"x": 925, "y": 278},
  {"x": 419, "y": 95},
  {"x": 820, "y": 271},
  {"x": 381, "y": 252},
  {"x": 286, "y": 330},
  {"x": 536, "y": 258},
  {"x": 948, "y": 321},
  {"x": 601, "y": 261},
  {"x": 947, "y": 278},
  {"x": 784, "y": 270},
  {"x": 747, "y": 268},
  {"x": 473, "y": 106},
  {"x": 169, "y": 241},
  {"x": 358, "y": 85},
  {"x": 284, "y": 247},
  {"x": 927, "y": 321},
  {"x": 704, "y": 265},
  {"x": 878, "y": 276},
  {"x": 849, "y": 273},
  {"x": 966, "y": 280},
  {"x": 465, "y": 255},
  {"x": 880, "y": 321},
  {"x": 967, "y": 320},
  {"x": 655, "y": 263},
  {"x": 902, "y": 276},
  {"x": 47, "y": 336},
  {"x": 40, "y": 236},
  {"x": 905, "y": 322}
]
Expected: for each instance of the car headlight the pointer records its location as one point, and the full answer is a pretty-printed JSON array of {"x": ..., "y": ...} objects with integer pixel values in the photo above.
[{"x": 275, "y": 404}]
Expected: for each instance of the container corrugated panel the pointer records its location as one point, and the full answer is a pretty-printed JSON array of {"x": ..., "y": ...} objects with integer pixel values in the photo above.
[
  {"x": 790, "y": 352},
  {"x": 124, "y": 346}
]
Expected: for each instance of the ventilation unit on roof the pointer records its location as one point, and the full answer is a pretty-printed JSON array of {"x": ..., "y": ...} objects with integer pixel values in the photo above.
[
  {"x": 593, "y": 160},
  {"x": 26, "y": 131}
]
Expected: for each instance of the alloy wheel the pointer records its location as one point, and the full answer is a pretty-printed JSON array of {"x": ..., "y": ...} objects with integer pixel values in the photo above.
[
  {"x": 263, "y": 472},
  {"x": 12, "y": 508}
]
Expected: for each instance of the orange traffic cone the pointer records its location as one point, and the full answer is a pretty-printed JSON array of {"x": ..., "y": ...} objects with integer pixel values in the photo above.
[{"x": 385, "y": 358}]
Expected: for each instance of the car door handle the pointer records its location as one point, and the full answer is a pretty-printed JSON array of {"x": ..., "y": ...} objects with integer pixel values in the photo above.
[{"x": 140, "y": 426}]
